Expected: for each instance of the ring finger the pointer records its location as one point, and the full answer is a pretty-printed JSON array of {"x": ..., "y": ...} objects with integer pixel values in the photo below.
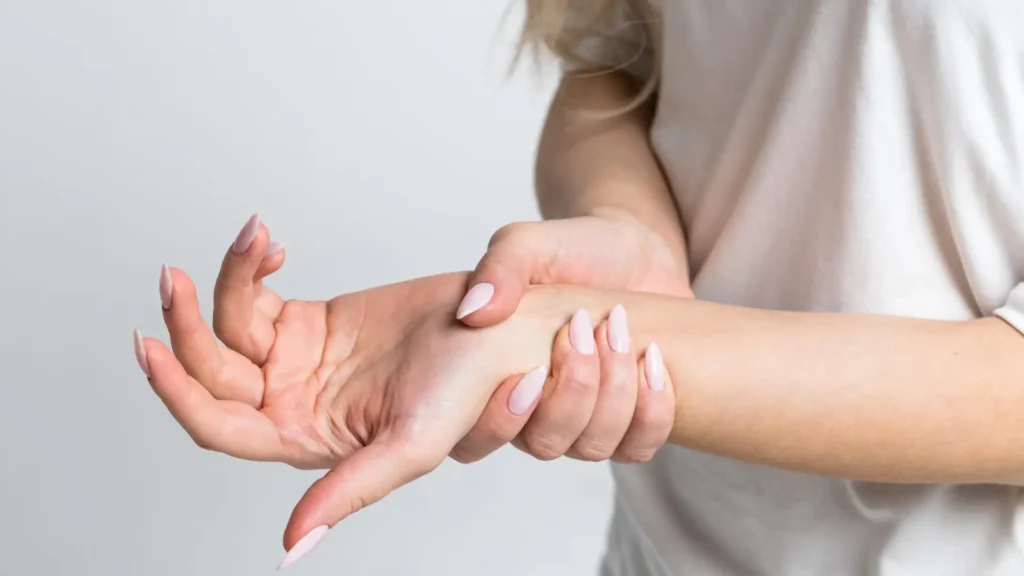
[{"x": 564, "y": 412}]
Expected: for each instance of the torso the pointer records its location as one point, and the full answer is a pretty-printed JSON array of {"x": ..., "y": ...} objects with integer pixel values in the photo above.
[{"x": 856, "y": 156}]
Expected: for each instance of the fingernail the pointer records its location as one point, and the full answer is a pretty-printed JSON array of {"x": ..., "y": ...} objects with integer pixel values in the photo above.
[
  {"x": 246, "y": 236},
  {"x": 618, "y": 330},
  {"x": 527, "y": 391},
  {"x": 140, "y": 354},
  {"x": 581, "y": 333},
  {"x": 166, "y": 287},
  {"x": 303, "y": 546},
  {"x": 273, "y": 248},
  {"x": 477, "y": 297},
  {"x": 654, "y": 368}
]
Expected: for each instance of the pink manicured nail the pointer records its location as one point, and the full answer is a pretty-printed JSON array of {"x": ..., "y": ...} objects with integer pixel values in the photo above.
[
  {"x": 477, "y": 297},
  {"x": 654, "y": 368},
  {"x": 140, "y": 354},
  {"x": 166, "y": 287},
  {"x": 273, "y": 248},
  {"x": 618, "y": 330},
  {"x": 247, "y": 235},
  {"x": 581, "y": 333},
  {"x": 303, "y": 546},
  {"x": 527, "y": 391}
]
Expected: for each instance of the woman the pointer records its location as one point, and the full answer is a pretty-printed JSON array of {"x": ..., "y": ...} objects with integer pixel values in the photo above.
[{"x": 847, "y": 393}]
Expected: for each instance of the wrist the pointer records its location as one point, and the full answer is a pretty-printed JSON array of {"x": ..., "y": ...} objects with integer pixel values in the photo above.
[
  {"x": 528, "y": 335},
  {"x": 676, "y": 324}
]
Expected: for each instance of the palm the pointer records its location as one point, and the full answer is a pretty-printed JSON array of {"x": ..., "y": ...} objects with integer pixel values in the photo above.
[
  {"x": 378, "y": 385},
  {"x": 320, "y": 390}
]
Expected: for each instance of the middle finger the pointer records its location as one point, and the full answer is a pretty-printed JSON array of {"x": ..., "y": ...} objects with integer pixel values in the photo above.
[{"x": 564, "y": 412}]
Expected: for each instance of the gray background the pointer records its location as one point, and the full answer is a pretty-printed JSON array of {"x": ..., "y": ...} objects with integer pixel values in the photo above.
[{"x": 379, "y": 140}]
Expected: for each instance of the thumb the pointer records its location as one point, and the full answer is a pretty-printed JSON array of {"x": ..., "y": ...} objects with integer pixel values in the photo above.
[
  {"x": 515, "y": 258},
  {"x": 361, "y": 479}
]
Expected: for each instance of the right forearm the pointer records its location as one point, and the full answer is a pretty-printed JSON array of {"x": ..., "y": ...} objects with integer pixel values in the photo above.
[
  {"x": 858, "y": 396},
  {"x": 589, "y": 163}
]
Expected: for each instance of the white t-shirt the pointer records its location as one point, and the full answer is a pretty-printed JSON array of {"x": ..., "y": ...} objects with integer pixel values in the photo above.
[{"x": 833, "y": 155}]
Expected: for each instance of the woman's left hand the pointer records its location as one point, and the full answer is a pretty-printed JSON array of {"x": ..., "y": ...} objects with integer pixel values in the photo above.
[
  {"x": 604, "y": 400},
  {"x": 598, "y": 403}
]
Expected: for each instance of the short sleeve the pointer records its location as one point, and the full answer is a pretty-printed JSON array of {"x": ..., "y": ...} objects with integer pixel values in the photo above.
[
  {"x": 622, "y": 40},
  {"x": 1013, "y": 311}
]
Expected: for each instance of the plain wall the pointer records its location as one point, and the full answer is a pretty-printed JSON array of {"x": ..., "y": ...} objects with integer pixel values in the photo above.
[{"x": 379, "y": 140}]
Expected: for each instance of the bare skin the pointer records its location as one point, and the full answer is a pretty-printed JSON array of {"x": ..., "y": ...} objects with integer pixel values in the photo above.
[
  {"x": 610, "y": 222},
  {"x": 379, "y": 386},
  {"x": 383, "y": 384}
]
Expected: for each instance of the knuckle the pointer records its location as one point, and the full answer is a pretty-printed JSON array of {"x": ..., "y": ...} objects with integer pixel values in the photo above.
[
  {"x": 460, "y": 455},
  {"x": 635, "y": 456},
  {"x": 498, "y": 429},
  {"x": 542, "y": 447},
  {"x": 592, "y": 450},
  {"x": 509, "y": 233},
  {"x": 357, "y": 502},
  {"x": 474, "y": 447}
]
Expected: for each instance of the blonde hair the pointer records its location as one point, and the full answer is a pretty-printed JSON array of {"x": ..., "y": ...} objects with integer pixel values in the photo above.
[{"x": 563, "y": 28}]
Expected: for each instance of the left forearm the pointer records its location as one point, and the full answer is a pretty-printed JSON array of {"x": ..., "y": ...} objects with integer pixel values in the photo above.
[{"x": 857, "y": 396}]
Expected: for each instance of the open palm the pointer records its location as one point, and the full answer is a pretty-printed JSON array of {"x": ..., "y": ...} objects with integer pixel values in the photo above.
[{"x": 378, "y": 385}]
